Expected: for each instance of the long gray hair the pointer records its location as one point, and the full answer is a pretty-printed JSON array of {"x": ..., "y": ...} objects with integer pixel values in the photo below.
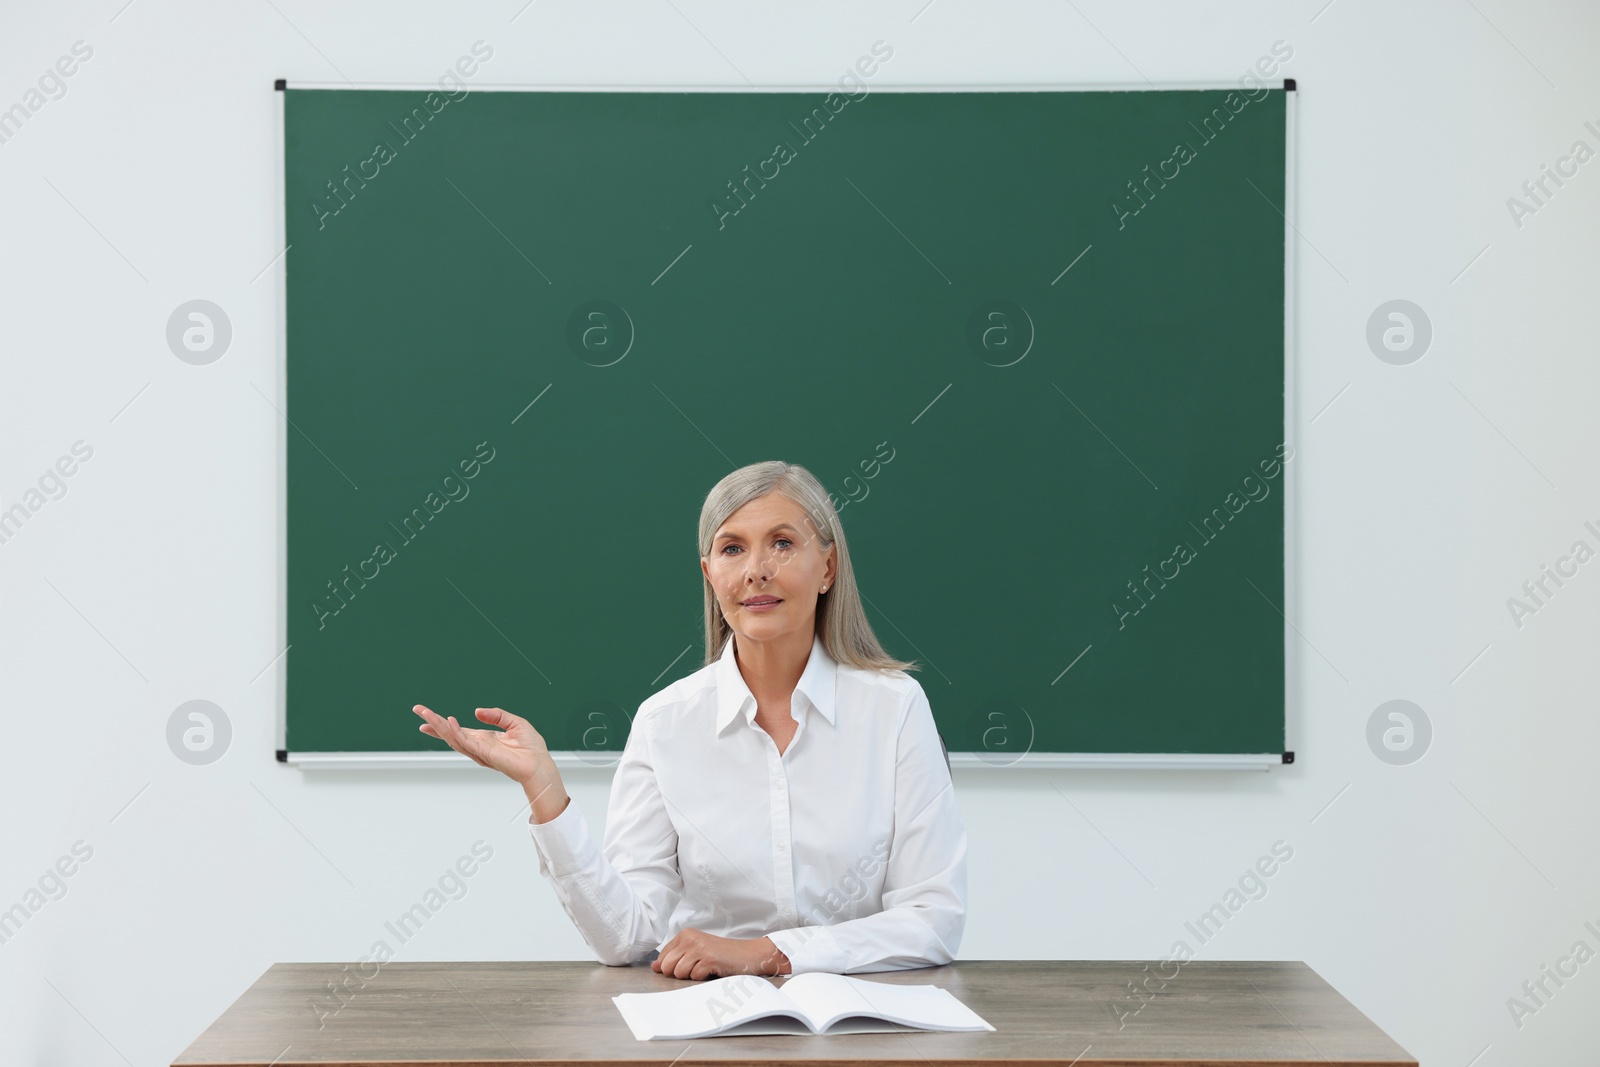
[{"x": 841, "y": 623}]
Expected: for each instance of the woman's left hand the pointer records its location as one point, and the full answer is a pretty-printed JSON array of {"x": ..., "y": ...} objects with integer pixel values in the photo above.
[{"x": 695, "y": 954}]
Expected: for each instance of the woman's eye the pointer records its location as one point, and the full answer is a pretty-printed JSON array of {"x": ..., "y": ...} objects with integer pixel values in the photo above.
[{"x": 784, "y": 540}]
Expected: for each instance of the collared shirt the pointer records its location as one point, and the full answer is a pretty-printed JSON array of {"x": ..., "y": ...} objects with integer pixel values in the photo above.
[{"x": 848, "y": 850}]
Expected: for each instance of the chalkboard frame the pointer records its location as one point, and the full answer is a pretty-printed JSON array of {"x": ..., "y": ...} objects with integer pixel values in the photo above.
[{"x": 603, "y": 761}]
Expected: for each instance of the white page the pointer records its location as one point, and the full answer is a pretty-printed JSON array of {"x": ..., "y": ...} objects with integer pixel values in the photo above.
[
  {"x": 827, "y": 998},
  {"x": 703, "y": 1008},
  {"x": 783, "y": 1025},
  {"x": 771, "y": 1025}
]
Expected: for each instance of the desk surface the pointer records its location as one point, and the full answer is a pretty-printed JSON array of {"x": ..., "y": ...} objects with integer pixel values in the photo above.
[{"x": 1213, "y": 1013}]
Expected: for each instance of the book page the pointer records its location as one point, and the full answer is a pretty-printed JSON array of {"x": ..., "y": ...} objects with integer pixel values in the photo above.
[
  {"x": 782, "y": 1024},
  {"x": 765, "y": 1026},
  {"x": 705, "y": 1008},
  {"x": 826, "y": 999}
]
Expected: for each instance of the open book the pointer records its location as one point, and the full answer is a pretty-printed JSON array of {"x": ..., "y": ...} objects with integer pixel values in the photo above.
[{"x": 811, "y": 1003}]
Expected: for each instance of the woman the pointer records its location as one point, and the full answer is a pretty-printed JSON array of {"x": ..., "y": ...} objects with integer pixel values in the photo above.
[{"x": 785, "y": 808}]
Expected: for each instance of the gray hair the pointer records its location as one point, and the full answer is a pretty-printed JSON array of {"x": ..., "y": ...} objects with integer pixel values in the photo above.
[{"x": 841, "y": 623}]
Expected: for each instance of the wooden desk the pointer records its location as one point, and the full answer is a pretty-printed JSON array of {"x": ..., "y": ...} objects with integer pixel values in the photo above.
[{"x": 1044, "y": 1012}]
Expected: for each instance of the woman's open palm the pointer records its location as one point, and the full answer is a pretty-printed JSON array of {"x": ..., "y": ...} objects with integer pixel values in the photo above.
[{"x": 516, "y": 750}]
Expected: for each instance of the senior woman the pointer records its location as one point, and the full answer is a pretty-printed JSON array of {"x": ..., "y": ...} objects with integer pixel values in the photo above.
[{"x": 785, "y": 808}]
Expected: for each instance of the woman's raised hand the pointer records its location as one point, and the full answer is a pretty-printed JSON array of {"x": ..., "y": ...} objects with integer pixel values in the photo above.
[{"x": 516, "y": 750}]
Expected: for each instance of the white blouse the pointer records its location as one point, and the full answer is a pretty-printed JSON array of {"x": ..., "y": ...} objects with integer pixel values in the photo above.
[{"x": 848, "y": 850}]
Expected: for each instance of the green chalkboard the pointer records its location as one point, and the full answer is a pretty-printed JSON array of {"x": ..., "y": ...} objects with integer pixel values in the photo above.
[{"x": 1033, "y": 341}]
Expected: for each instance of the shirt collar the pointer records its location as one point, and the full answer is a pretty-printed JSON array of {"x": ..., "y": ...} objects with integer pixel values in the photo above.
[{"x": 816, "y": 684}]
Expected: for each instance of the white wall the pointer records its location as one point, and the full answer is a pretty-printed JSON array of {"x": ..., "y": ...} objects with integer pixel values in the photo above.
[{"x": 1426, "y": 894}]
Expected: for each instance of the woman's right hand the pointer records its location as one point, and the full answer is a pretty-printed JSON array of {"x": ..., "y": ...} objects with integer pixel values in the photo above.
[{"x": 516, "y": 750}]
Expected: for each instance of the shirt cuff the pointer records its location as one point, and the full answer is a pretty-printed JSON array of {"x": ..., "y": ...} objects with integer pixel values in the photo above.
[
  {"x": 564, "y": 843},
  {"x": 810, "y": 948}
]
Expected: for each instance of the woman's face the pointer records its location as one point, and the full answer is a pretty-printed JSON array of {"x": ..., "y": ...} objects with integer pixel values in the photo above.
[{"x": 768, "y": 550}]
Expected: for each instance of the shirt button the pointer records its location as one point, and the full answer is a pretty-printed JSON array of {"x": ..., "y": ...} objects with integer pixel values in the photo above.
[{"x": 783, "y": 846}]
